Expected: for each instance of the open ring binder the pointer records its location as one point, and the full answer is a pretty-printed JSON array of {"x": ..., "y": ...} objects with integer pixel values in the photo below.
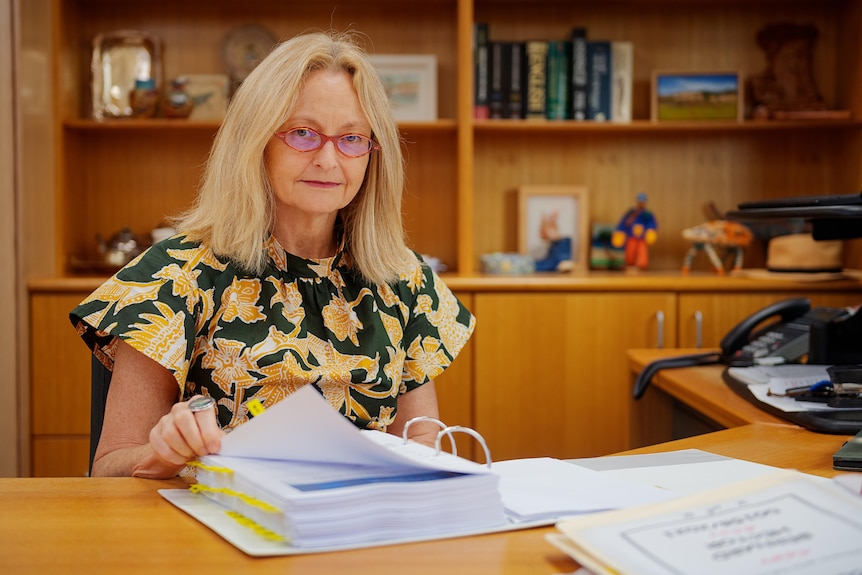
[
  {"x": 447, "y": 431},
  {"x": 469, "y": 431}
]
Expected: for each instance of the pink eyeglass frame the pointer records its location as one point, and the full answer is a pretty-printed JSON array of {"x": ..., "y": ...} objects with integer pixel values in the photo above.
[{"x": 325, "y": 138}]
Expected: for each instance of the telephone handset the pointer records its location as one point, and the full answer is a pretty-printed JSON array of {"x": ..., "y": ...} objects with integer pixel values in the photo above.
[{"x": 784, "y": 340}]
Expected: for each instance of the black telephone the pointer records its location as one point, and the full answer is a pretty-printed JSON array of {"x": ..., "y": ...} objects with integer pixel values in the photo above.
[{"x": 785, "y": 340}]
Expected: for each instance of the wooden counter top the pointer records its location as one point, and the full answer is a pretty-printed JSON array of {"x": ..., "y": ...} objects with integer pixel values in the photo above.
[{"x": 672, "y": 281}]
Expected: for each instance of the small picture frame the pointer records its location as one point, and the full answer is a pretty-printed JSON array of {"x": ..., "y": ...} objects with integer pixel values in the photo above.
[
  {"x": 561, "y": 211},
  {"x": 120, "y": 62},
  {"x": 411, "y": 84},
  {"x": 696, "y": 96},
  {"x": 210, "y": 95}
]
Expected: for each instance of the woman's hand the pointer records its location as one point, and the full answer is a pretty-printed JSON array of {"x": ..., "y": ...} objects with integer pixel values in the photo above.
[{"x": 184, "y": 434}]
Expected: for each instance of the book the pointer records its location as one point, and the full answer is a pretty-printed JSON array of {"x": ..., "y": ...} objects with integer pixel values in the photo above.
[
  {"x": 516, "y": 96},
  {"x": 497, "y": 85},
  {"x": 622, "y": 62},
  {"x": 537, "y": 60},
  {"x": 786, "y": 522},
  {"x": 480, "y": 70},
  {"x": 579, "y": 74},
  {"x": 558, "y": 80},
  {"x": 599, "y": 78}
]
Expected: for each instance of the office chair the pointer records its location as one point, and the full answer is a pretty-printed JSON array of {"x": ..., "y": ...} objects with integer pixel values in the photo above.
[{"x": 100, "y": 380}]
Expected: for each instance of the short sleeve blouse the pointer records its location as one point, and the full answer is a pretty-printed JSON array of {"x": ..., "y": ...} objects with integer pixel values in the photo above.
[{"x": 238, "y": 337}]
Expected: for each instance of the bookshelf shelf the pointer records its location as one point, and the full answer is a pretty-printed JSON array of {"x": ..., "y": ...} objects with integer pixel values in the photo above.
[
  {"x": 540, "y": 126},
  {"x": 87, "y": 125}
]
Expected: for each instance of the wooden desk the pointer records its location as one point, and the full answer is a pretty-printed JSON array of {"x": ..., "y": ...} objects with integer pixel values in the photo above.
[
  {"x": 699, "y": 388},
  {"x": 121, "y": 525}
]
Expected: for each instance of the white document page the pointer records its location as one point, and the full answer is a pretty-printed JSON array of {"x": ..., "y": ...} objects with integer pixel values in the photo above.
[
  {"x": 782, "y": 523},
  {"x": 304, "y": 427},
  {"x": 545, "y": 487},
  {"x": 680, "y": 472}
]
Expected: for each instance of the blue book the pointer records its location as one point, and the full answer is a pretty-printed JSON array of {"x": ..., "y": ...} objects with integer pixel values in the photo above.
[{"x": 599, "y": 80}]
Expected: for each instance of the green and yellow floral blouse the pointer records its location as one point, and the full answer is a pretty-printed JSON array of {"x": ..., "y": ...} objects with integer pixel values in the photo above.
[{"x": 236, "y": 337}]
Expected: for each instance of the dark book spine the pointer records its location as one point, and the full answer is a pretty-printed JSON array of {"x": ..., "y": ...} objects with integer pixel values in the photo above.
[
  {"x": 537, "y": 60},
  {"x": 579, "y": 74},
  {"x": 516, "y": 78},
  {"x": 558, "y": 79},
  {"x": 497, "y": 88},
  {"x": 480, "y": 70},
  {"x": 599, "y": 75}
]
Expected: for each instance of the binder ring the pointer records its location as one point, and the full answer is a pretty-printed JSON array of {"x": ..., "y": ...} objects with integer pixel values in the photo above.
[
  {"x": 423, "y": 418},
  {"x": 448, "y": 431}
]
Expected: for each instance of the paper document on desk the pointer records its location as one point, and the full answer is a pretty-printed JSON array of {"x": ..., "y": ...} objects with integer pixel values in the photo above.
[
  {"x": 681, "y": 472},
  {"x": 545, "y": 488},
  {"x": 765, "y": 381},
  {"x": 784, "y": 522}
]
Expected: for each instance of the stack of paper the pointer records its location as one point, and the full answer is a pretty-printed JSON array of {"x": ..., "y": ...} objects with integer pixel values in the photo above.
[
  {"x": 786, "y": 522},
  {"x": 355, "y": 487}
]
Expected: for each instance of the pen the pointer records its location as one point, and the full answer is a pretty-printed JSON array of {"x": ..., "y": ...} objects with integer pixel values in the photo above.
[{"x": 823, "y": 386}]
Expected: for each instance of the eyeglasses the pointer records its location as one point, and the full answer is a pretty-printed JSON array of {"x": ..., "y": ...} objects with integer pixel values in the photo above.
[{"x": 307, "y": 140}]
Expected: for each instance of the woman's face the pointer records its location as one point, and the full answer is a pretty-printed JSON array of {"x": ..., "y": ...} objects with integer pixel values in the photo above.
[{"x": 316, "y": 184}]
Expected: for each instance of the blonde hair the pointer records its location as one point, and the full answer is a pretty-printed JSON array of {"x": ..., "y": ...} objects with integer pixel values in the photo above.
[{"x": 235, "y": 208}]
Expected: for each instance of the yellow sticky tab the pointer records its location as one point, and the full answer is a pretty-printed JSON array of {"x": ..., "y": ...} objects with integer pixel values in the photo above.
[{"x": 255, "y": 407}]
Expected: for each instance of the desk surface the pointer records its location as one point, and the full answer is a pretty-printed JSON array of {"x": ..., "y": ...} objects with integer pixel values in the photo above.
[
  {"x": 702, "y": 389},
  {"x": 122, "y": 525}
]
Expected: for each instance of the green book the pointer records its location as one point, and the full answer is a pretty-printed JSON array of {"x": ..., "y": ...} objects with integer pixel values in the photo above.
[{"x": 558, "y": 80}]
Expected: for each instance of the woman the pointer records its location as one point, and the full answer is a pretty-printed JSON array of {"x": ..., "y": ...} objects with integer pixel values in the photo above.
[{"x": 291, "y": 269}]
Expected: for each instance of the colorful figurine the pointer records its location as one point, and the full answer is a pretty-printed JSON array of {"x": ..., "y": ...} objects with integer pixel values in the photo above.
[
  {"x": 636, "y": 231},
  {"x": 732, "y": 236}
]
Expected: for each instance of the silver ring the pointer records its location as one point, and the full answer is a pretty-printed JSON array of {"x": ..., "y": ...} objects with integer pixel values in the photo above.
[{"x": 201, "y": 404}]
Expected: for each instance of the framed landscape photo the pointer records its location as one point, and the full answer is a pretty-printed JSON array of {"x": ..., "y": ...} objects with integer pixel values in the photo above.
[
  {"x": 548, "y": 212},
  {"x": 411, "y": 84},
  {"x": 696, "y": 96}
]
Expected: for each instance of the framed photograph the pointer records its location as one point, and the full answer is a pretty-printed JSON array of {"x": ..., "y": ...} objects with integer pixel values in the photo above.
[
  {"x": 210, "y": 94},
  {"x": 121, "y": 62},
  {"x": 696, "y": 96},
  {"x": 550, "y": 213},
  {"x": 411, "y": 84}
]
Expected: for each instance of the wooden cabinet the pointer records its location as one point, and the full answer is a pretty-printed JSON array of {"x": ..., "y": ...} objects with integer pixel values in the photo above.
[
  {"x": 462, "y": 173},
  {"x": 704, "y": 319},
  {"x": 59, "y": 388},
  {"x": 551, "y": 376}
]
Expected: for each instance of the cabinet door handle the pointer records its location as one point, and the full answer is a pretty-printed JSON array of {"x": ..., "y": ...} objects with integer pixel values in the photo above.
[
  {"x": 659, "y": 318},
  {"x": 698, "y": 329}
]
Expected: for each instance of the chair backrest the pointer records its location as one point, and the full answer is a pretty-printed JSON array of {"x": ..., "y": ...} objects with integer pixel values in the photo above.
[{"x": 100, "y": 381}]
